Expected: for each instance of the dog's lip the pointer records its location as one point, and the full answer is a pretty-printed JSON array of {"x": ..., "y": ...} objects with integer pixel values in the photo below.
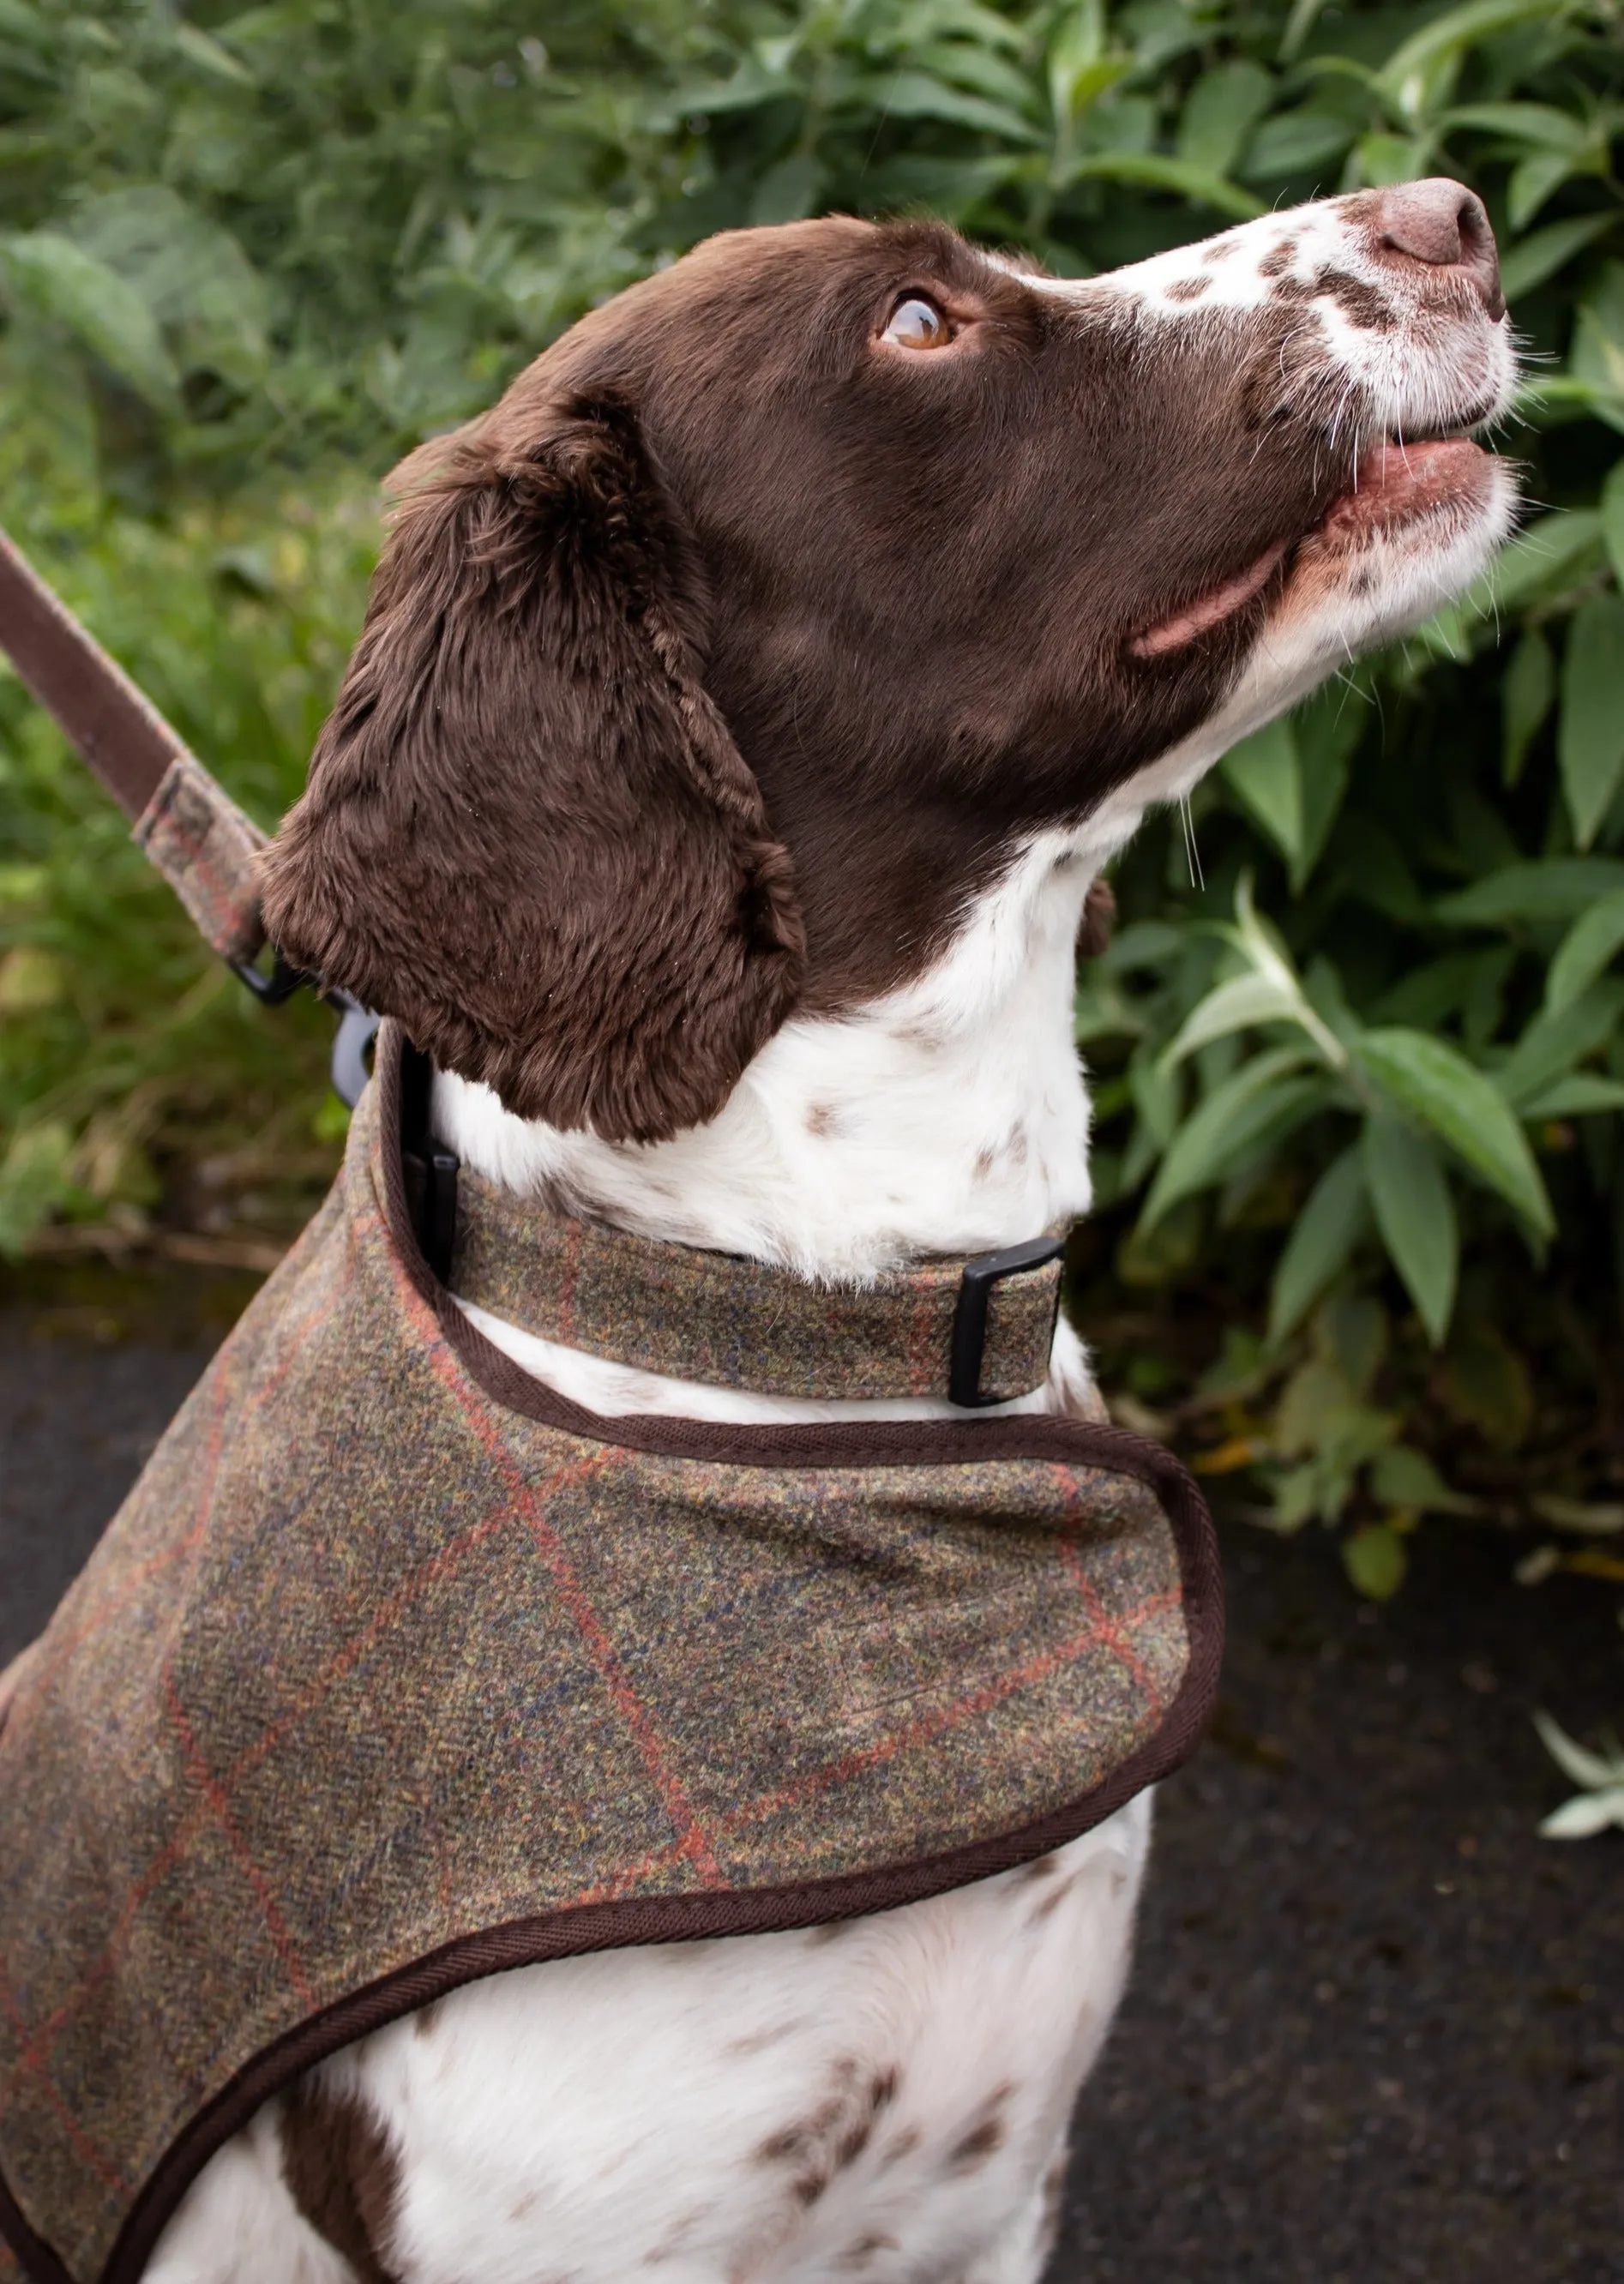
[{"x": 1397, "y": 483}]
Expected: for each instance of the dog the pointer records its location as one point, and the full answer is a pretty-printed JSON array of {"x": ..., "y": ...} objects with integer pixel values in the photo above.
[{"x": 746, "y": 708}]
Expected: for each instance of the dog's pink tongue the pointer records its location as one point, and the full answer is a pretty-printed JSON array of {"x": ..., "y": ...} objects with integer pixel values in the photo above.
[{"x": 1398, "y": 482}]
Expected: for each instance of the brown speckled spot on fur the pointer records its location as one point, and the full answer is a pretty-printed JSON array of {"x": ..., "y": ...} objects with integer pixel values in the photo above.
[
  {"x": 1361, "y": 303},
  {"x": 865, "y": 2249},
  {"x": 976, "y": 2146},
  {"x": 1188, "y": 289},
  {"x": 821, "y": 1119},
  {"x": 758, "y": 2041},
  {"x": 1221, "y": 249},
  {"x": 1041, "y": 1868},
  {"x": 984, "y": 1162},
  {"x": 424, "y": 2021},
  {"x": 1050, "y": 1901},
  {"x": 1279, "y": 260},
  {"x": 676, "y": 2236},
  {"x": 901, "y": 2146},
  {"x": 343, "y": 2173}
]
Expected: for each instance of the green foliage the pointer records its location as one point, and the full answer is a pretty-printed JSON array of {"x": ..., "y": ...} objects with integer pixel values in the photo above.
[{"x": 1359, "y": 1072}]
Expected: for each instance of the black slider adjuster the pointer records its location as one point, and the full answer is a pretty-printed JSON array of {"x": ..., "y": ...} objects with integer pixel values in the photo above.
[{"x": 969, "y": 1322}]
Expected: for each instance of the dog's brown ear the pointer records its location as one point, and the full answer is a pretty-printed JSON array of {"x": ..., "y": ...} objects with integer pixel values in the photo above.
[{"x": 527, "y": 832}]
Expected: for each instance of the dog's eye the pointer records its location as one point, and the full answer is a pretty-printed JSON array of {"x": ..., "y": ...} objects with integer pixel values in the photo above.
[{"x": 917, "y": 324}]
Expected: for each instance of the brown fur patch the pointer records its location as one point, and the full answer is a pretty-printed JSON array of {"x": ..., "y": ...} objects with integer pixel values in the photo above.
[{"x": 343, "y": 2173}]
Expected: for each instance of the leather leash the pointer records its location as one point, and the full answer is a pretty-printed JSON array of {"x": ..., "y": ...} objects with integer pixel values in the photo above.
[{"x": 183, "y": 819}]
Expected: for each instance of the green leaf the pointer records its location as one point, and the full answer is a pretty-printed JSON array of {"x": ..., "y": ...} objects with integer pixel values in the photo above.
[
  {"x": 1532, "y": 183},
  {"x": 1597, "y": 358},
  {"x": 62, "y": 281},
  {"x": 1612, "y": 519},
  {"x": 1334, "y": 1217},
  {"x": 1552, "y": 888},
  {"x": 1295, "y": 143},
  {"x": 1375, "y": 1562},
  {"x": 916, "y": 95},
  {"x": 1577, "y": 1766},
  {"x": 1403, "y": 1477},
  {"x": 787, "y": 191},
  {"x": 1544, "y": 252},
  {"x": 1540, "y": 123},
  {"x": 1590, "y": 736},
  {"x": 1550, "y": 558},
  {"x": 1265, "y": 773},
  {"x": 1585, "y": 1815},
  {"x": 1415, "y": 1215},
  {"x": 1581, "y": 1094},
  {"x": 1438, "y": 1085},
  {"x": 1526, "y": 689},
  {"x": 1239, "y": 1005},
  {"x": 192, "y": 276},
  {"x": 1154, "y": 172},
  {"x": 1585, "y": 951},
  {"x": 1219, "y": 115},
  {"x": 1553, "y": 1043},
  {"x": 1266, "y": 1099},
  {"x": 1328, "y": 728},
  {"x": 1403, "y": 76}
]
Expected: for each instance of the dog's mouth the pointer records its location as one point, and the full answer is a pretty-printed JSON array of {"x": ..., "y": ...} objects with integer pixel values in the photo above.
[{"x": 1399, "y": 487}]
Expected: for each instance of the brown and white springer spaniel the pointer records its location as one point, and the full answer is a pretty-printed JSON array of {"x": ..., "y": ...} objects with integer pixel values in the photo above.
[{"x": 745, "y": 706}]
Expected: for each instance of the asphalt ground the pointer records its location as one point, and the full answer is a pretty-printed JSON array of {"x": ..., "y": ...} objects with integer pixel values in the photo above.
[{"x": 1377, "y": 2026}]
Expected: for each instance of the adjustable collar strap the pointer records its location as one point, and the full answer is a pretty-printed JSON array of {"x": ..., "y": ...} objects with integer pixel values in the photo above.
[{"x": 978, "y": 1330}]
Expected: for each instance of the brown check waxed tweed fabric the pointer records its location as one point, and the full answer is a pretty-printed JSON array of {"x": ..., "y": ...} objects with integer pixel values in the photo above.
[
  {"x": 394, "y": 1669},
  {"x": 712, "y": 1318}
]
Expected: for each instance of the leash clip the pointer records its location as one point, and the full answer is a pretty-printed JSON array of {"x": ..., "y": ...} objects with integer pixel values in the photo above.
[
  {"x": 980, "y": 1274},
  {"x": 270, "y": 987}
]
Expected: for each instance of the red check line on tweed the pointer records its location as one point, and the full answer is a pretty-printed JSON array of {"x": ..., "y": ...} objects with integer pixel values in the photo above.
[
  {"x": 213, "y": 1791},
  {"x": 93, "y": 2157},
  {"x": 36, "y": 2052},
  {"x": 693, "y": 1842},
  {"x": 1110, "y": 1632},
  {"x": 920, "y": 1730}
]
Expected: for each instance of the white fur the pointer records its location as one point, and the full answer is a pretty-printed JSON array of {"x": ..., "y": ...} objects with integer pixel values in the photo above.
[{"x": 594, "y": 2117}]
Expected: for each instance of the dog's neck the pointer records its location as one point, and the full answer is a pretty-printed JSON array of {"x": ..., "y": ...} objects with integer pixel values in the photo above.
[{"x": 949, "y": 1116}]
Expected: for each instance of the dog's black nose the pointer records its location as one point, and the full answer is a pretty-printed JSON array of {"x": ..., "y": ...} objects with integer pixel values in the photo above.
[{"x": 1444, "y": 224}]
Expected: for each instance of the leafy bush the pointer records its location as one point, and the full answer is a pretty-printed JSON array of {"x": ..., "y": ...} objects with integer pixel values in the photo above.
[{"x": 1362, "y": 1024}]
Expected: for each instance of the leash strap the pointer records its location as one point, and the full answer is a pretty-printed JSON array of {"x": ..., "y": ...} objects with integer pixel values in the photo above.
[{"x": 189, "y": 828}]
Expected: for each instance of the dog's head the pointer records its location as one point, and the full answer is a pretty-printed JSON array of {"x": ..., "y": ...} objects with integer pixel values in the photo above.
[{"x": 707, "y": 675}]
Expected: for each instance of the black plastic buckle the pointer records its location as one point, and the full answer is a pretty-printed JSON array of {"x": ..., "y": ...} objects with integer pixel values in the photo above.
[
  {"x": 270, "y": 987},
  {"x": 430, "y": 1169},
  {"x": 969, "y": 1323}
]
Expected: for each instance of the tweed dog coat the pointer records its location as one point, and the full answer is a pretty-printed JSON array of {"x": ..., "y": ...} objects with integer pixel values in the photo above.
[{"x": 397, "y": 1669}]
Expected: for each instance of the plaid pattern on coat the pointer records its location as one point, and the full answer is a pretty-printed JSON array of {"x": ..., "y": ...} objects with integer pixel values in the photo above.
[{"x": 396, "y": 1669}]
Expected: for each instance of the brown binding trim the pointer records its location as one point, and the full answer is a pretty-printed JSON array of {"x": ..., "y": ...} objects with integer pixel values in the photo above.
[
  {"x": 118, "y": 731},
  {"x": 693, "y": 1918}
]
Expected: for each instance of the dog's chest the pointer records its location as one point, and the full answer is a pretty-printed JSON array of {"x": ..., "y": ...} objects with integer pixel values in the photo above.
[{"x": 884, "y": 2096}]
